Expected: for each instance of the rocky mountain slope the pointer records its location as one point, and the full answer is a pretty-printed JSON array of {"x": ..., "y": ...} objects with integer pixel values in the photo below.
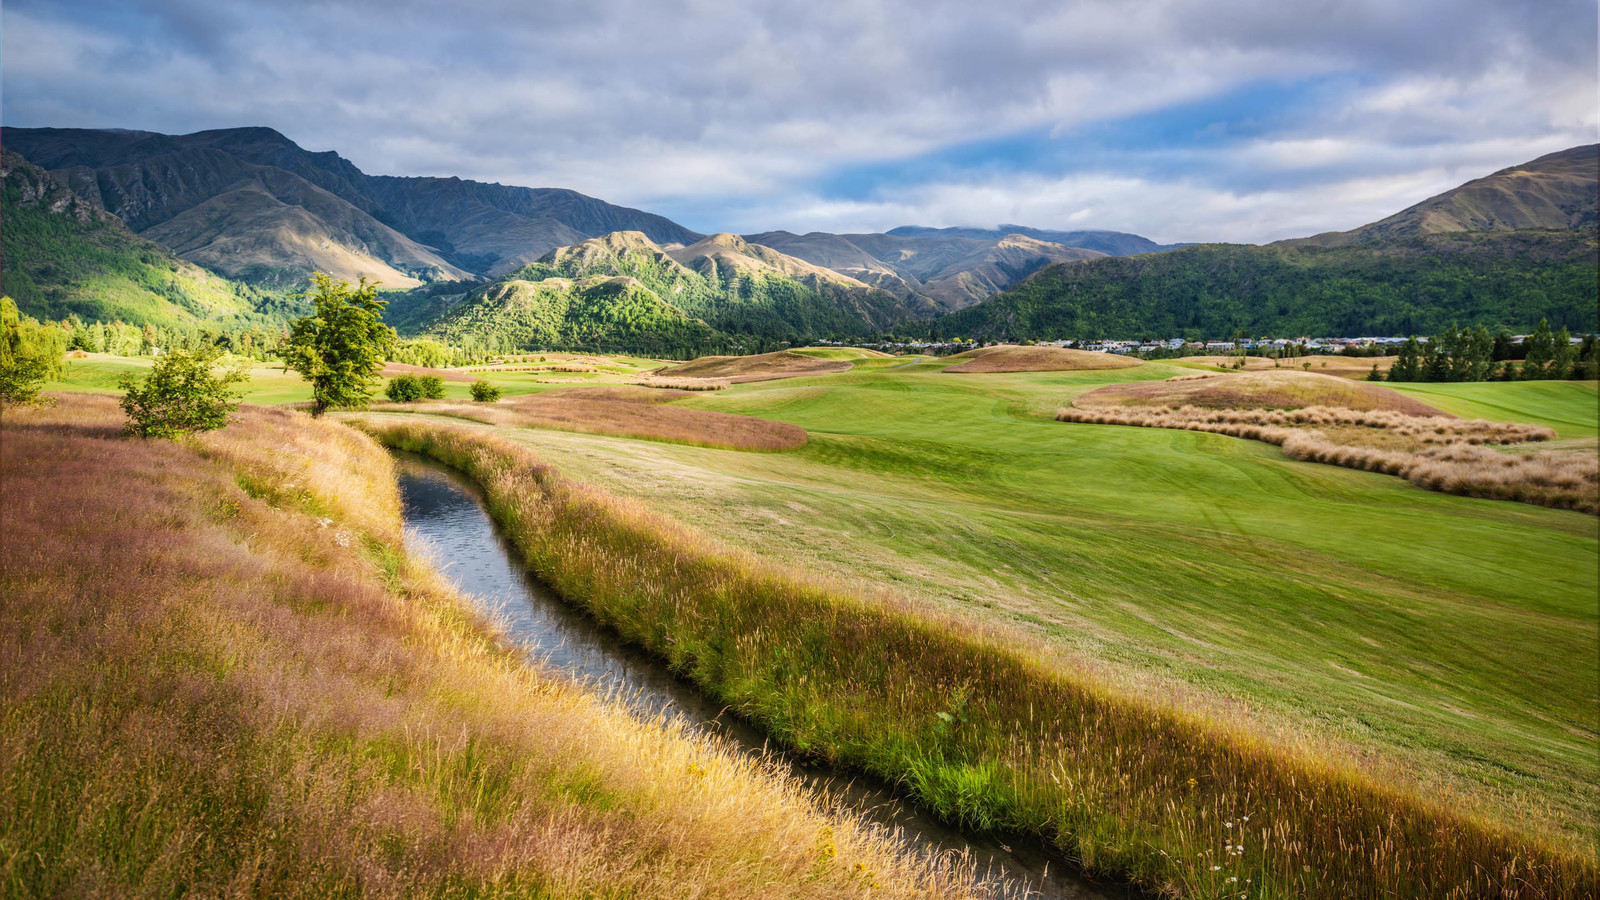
[
  {"x": 61, "y": 255},
  {"x": 937, "y": 270},
  {"x": 302, "y": 210},
  {"x": 731, "y": 290},
  {"x": 1555, "y": 191}
]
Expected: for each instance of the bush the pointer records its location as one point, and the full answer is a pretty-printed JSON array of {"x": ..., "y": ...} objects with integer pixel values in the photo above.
[
  {"x": 485, "y": 391},
  {"x": 181, "y": 394},
  {"x": 404, "y": 389},
  {"x": 432, "y": 386}
]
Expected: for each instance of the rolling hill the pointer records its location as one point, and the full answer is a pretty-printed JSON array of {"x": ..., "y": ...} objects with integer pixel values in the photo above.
[{"x": 1472, "y": 256}]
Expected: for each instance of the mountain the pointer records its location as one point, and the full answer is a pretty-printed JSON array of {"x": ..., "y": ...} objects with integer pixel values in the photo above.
[
  {"x": 62, "y": 256},
  {"x": 719, "y": 292},
  {"x": 1556, "y": 191},
  {"x": 252, "y": 202},
  {"x": 1507, "y": 250},
  {"x": 937, "y": 270},
  {"x": 1110, "y": 243}
]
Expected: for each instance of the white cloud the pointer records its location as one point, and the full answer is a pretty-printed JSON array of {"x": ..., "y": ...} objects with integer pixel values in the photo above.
[{"x": 733, "y": 109}]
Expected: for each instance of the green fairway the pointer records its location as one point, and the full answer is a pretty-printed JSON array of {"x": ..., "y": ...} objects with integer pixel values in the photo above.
[
  {"x": 1454, "y": 636},
  {"x": 1572, "y": 408}
]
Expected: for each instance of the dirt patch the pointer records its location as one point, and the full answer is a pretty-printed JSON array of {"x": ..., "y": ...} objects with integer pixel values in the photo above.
[
  {"x": 762, "y": 367},
  {"x": 1037, "y": 359},
  {"x": 625, "y": 411},
  {"x": 1258, "y": 390}
]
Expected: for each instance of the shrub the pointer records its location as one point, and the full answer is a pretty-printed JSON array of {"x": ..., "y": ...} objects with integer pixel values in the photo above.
[
  {"x": 404, "y": 389},
  {"x": 485, "y": 391},
  {"x": 182, "y": 393},
  {"x": 30, "y": 355},
  {"x": 432, "y": 386}
]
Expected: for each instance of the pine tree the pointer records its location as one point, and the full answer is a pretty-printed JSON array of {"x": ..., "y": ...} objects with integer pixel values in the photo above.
[
  {"x": 1407, "y": 366},
  {"x": 1540, "y": 352}
]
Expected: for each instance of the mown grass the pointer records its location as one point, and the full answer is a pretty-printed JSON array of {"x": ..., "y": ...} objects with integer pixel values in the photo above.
[
  {"x": 990, "y": 730},
  {"x": 220, "y": 674},
  {"x": 1449, "y": 642}
]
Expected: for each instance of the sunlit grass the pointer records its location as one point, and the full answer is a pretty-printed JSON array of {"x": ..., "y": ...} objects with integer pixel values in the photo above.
[
  {"x": 220, "y": 673},
  {"x": 988, "y": 728}
]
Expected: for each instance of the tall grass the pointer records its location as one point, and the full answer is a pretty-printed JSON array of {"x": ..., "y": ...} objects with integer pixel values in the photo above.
[
  {"x": 221, "y": 675},
  {"x": 1434, "y": 452},
  {"x": 626, "y": 411},
  {"x": 987, "y": 731}
]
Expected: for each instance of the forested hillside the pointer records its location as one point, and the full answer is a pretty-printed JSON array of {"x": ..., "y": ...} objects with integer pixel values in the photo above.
[{"x": 1417, "y": 285}]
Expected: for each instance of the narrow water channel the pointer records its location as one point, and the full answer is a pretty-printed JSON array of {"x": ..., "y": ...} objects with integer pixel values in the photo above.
[{"x": 445, "y": 517}]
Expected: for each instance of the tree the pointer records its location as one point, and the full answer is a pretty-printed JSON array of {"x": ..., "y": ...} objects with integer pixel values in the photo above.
[
  {"x": 341, "y": 346},
  {"x": 1408, "y": 365},
  {"x": 182, "y": 393},
  {"x": 1561, "y": 355},
  {"x": 485, "y": 391},
  {"x": 1541, "y": 351},
  {"x": 30, "y": 355}
]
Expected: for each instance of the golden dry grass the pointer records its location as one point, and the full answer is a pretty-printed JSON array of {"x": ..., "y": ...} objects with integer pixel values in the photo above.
[
  {"x": 1037, "y": 359},
  {"x": 625, "y": 411},
  {"x": 761, "y": 367},
  {"x": 978, "y": 725},
  {"x": 220, "y": 674},
  {"x": 1356, "y": 367},
  {"x": 1257, "y": 390},
  {"x": 394, "y": 369},
  {"x": 1440, "y": 453}
]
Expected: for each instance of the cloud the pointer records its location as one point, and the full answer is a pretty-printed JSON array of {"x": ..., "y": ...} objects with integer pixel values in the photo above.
[{"x": 1267, "y": 116}]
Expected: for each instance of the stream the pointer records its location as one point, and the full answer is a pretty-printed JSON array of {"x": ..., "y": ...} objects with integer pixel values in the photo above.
[{"x": 445, "y": 518}]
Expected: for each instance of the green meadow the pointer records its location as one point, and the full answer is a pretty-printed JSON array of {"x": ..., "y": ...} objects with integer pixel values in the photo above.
[{"x": 1442, "y": 643}]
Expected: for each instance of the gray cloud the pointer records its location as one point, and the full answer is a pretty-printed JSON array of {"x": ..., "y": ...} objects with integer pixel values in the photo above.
[{"x": 730, "y": 111}]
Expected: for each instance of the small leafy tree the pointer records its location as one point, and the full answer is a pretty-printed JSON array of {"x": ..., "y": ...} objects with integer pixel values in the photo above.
[
  {"x": 30, "y": 355},
  {"x": 182, "y": 393},
  {"x": 341, "y": 346},
  {"x": 485, "y": 391}
]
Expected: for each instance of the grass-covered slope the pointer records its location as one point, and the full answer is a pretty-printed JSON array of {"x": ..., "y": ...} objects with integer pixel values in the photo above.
[
  {"x": 594, "y": 313},
  {"x": 738, "y": 289},
  {"x": 1417, "y": 285},
  {"x": 64, "y": 256},
  {"x": 221, "y": 673}
]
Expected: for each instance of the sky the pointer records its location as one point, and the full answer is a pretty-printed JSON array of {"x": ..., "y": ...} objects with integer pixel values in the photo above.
[{"x": 1223, "y": 120}]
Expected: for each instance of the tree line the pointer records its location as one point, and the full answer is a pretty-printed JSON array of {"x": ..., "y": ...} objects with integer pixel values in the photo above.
[{"x": 1473, "y": 354}]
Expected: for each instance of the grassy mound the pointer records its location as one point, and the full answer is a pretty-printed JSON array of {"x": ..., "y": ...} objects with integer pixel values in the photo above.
[
  {"x": 627, "y": 411},
  {"x": 1357, "y": 367},
  {"x": 761, "y": 367},
  {"x": 845, "y": 353},
  {"x": 1258, "y": 390},
  {"x": 1037, "y": 359}
]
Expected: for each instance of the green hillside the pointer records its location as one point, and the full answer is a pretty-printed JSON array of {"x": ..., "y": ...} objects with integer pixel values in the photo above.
[
  {"x": 739, "y": 291},
  {"x": 1416, "y": 285},
  {"x": 63, "y": 256},
  {"x": 597, "y": 314}
]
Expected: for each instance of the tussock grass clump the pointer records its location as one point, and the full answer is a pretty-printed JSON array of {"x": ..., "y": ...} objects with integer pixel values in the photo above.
[
  {"x": 221, "y": 674},
  {"x": 630, "y": 411},
  {"x": 982, "y": 728},
  {"x": 684, "y": 384},
  {"x": 1257, "y": 390},
  {"x": 1436, "y": 452}
]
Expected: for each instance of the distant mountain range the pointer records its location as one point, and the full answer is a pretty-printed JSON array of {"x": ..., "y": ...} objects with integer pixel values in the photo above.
[{"x": 541, "y": 266}]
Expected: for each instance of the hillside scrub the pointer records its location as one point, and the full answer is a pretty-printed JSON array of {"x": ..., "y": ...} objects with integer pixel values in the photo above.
[
  {"x": 1438, "y": 453},
  {"x": 221, "y": 673},
  {"x": 978, "y": 727}
]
